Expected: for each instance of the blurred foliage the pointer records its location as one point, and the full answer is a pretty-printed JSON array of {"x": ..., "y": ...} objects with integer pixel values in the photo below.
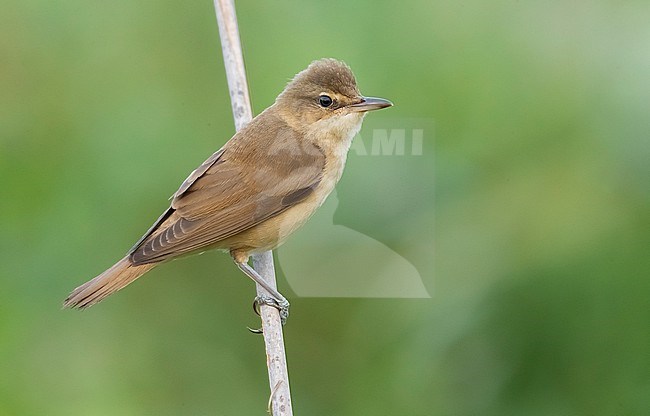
[{"x": 535, "y": 248}]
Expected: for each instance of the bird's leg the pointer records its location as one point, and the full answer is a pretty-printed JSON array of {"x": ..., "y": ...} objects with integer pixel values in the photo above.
[{"x": 276, "y": 299}]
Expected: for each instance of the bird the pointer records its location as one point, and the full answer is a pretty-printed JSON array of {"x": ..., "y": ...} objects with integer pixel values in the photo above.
[{"x": 261, "y": 186}]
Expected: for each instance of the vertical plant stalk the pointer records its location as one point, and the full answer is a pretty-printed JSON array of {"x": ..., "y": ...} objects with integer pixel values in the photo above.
[{"x": 276, "y": 361}]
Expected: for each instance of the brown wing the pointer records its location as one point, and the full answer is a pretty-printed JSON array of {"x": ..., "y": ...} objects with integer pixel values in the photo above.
[
  {"x": 259, "y": 173},
  {"x": 196, "y": 173}
]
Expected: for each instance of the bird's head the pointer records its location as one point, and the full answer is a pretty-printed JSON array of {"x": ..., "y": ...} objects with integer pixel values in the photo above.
[{"x": 325, "y": 96}]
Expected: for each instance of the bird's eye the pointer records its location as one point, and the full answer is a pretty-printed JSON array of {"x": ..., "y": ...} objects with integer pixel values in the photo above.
[{"x": 325, "y": 100}]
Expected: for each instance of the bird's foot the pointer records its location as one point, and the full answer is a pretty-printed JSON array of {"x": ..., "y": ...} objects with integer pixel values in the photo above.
[{"x": 281, "y": 305}]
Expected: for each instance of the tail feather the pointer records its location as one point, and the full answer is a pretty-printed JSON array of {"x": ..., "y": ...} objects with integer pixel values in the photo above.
[{"x": 118, "y": 276}]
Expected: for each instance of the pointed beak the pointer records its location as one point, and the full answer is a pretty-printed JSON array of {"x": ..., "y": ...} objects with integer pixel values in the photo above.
[{"x": 369, "y": 104}]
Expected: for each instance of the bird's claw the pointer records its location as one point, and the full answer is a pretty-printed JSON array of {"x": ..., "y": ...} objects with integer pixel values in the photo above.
[
  {"x": 282, "y": 305},
  {"x": 255, "y": 331}
]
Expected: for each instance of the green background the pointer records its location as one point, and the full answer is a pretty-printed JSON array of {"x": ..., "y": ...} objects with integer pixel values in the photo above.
[{"x": 535, "y": 247}]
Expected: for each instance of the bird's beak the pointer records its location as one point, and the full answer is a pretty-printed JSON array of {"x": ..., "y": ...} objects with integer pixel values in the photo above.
[{"x": 369, "y": 104}]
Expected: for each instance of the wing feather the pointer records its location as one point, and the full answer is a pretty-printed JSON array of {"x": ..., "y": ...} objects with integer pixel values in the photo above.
[{"x": 237, "y": 188}]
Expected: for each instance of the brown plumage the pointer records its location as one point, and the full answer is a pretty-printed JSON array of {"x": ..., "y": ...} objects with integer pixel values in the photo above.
[{"x": 262, "y": 185}]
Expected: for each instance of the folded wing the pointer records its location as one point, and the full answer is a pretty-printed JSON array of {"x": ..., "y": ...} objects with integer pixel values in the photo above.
[{"x": 234, "y": 190}]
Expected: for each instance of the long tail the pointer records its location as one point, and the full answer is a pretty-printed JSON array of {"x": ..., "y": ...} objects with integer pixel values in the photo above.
[{"x": 121, "y": 274}]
